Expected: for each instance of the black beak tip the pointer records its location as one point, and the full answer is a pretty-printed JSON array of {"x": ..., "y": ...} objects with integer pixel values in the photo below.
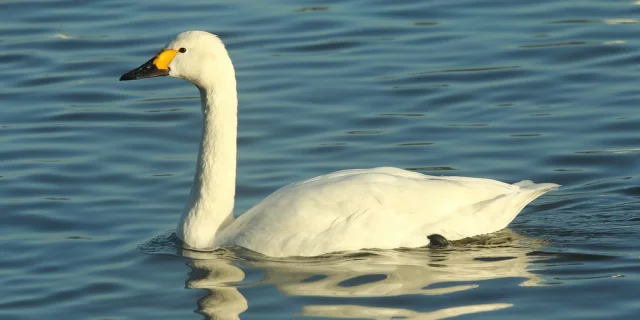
[
  {"x": 147, "y": 70},
  {"x": 126, "y": 77}
]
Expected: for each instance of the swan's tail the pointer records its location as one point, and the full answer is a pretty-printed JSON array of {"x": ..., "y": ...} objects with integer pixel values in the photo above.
[
  {"x": 530, "y": 185},
  {"x": 529, "y": 191},
  {"x": 495, "y": 214},
  {"x": 504, "y": 210}
]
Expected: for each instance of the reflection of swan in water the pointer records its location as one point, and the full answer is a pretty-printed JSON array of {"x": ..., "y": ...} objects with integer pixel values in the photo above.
[
  {"x": 224, "y": 301},
  {"x": 370, "y": 274},
  {"x": 367, "y": 312}
]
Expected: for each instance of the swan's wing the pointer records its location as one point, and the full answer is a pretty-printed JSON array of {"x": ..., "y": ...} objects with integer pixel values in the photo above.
[{"x": 377, "y": 208}]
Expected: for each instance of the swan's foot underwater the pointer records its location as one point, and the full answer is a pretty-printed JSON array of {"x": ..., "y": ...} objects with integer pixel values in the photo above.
[{"x": 437, "y": 241}]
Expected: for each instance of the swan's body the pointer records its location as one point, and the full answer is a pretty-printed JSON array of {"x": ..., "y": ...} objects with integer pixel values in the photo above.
[
  {"x": 345, "y": 210},
  {"x": 376, "y": 208}
]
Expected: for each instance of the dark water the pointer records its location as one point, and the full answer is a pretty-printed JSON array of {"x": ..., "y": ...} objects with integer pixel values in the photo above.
[{"x": 94, "y": 172}]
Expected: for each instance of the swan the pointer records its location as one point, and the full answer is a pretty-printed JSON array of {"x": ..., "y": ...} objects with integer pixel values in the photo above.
[{"x": 347, "y": 210}]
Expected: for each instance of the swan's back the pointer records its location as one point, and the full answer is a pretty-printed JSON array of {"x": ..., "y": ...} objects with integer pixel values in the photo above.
[{"x": 376, "y": 208}]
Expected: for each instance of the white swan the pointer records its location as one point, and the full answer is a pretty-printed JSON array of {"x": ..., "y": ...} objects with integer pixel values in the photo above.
[{"x": 346, "y": 210}]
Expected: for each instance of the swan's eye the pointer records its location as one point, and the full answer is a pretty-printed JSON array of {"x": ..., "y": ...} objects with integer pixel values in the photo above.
[{"x": 182, "y": 50}]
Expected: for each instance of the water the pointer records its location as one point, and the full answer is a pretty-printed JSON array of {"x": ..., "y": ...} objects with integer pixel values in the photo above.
[{"x": 94, "y": 172}]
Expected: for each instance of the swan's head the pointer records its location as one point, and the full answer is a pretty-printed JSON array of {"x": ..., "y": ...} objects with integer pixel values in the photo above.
[{"x": 197, "y": 56}]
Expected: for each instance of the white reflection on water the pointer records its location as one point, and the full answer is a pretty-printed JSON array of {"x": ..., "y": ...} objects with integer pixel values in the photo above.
[
  {"x": 224, "y": 301},
  {"x": 368, "y": 274},
  {"x": 355, "y": 311}
]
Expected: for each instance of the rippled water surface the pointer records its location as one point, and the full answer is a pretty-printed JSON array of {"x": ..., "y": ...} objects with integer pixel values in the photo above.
[{"x": 94, "y": 172}]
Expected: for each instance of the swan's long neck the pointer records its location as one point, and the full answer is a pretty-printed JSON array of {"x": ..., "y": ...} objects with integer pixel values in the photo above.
[{"x": 210, "y": 204}]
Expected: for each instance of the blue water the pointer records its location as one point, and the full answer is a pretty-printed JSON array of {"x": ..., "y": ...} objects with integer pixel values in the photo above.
[{"x": 94, "y": 172}]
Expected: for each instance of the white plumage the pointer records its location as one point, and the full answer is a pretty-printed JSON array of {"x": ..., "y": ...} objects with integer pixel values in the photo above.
[
  {"x": 346, "y": 210},
  {"x": 376, "y": 208}
]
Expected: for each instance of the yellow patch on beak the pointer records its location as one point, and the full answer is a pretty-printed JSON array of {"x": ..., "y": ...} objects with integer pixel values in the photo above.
[{"x": 163, "y": 59}]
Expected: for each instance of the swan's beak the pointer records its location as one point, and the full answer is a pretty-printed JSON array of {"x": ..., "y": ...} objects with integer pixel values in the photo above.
[{"x": 158, "y": 66}]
